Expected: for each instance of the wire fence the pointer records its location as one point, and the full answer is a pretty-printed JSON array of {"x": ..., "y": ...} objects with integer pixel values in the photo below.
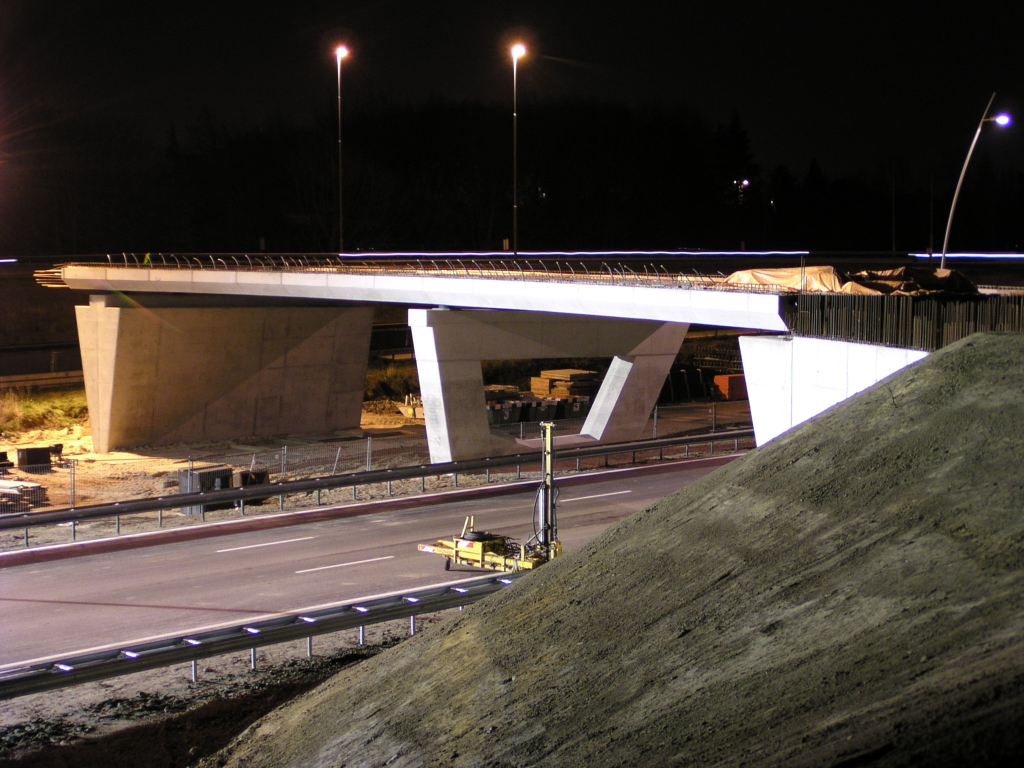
[{"x": 76, "y": 483}]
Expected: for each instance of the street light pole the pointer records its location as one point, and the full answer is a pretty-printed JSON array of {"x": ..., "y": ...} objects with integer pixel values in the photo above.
[
  {"x": 341, "y": 52},
  {"x": 517, "y": 51},
  {"x": 1000, "y": 119}
]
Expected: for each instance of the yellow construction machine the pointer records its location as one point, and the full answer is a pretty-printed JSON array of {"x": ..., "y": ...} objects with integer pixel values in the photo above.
[{"x": 502, "y": 553}]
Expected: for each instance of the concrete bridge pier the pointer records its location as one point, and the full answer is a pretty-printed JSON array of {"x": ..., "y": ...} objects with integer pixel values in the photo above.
[
  {"x": 450, "y": 345},
  {"x": 165, "y": 368}
]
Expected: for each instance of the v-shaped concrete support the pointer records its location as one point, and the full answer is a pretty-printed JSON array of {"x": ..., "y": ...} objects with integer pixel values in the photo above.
[{"x": 450, "y": 345}]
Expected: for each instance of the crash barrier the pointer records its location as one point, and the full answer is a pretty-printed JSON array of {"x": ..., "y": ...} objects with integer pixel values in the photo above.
[
  {"x": 313, "y": 490},
  {"x": 73, "y": 482},
  {"x": 180, "y": 649}
]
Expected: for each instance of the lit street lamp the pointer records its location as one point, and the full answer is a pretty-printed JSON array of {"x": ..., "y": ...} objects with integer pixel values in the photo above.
[
  {"x": 1000, "y": 120},
  {"x": 340, "y": 52},
  {"x": 517, "y": 52}
]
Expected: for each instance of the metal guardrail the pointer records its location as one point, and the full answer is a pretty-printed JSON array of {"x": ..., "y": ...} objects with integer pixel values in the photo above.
[
  {"x": 312, "y": 485},
  {"x": 179, "y": 649}
]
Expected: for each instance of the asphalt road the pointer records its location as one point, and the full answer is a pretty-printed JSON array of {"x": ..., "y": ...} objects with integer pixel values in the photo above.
[{"x": 70, "y": 606}]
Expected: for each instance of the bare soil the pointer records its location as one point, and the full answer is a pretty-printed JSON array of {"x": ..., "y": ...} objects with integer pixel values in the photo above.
[
  {"x": 850, "y": 595},
  {"x": 162, "y": 718}
]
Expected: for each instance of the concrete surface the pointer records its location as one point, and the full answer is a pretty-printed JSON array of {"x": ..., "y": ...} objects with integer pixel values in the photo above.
[
  {"x": 166, "y": 374},
  {"x": 451, "y": 343},
  {"x": 793, "y": 379}
]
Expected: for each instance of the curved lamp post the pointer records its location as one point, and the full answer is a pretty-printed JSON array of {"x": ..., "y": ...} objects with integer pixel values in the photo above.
[
  {"x": 340, "y": 53},
  {"x": 518, "y": 50},
  {"x": 1001, "y": 120}
]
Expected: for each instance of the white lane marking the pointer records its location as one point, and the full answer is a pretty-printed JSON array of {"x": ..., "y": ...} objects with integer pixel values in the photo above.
[
  {"x": 596, "y": 496},
  {"x": 342, "y": 565},
  {"x": 221, "y": 625},
  {"x": 268, "y": 544}
]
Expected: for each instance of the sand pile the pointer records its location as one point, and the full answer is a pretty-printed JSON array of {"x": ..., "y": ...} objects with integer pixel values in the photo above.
[{"x": 850, "y": 595}]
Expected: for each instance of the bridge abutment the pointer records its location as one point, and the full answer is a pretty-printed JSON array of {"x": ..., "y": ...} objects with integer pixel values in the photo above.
[{"x": 791, "y": 379}]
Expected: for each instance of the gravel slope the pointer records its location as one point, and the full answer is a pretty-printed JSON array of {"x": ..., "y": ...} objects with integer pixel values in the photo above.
[{"x": 849, "y": 595}]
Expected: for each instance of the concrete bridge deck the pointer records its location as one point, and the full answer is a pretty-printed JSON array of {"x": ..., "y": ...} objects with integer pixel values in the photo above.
[{"x": 188, "y": 347}]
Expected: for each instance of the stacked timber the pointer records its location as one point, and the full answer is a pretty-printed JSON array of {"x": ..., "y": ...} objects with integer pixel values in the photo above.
[
  {"x": 500, "y": 393},
  {"x": 564, "y": 383}
]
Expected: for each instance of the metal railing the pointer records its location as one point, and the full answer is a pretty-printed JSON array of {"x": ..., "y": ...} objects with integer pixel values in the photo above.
[
  {"x": 63, "y": 672},
  {"x": 312, "y": 488},
  {"x": 546, "y": 269},
  {"x": 910, "y": 322}
]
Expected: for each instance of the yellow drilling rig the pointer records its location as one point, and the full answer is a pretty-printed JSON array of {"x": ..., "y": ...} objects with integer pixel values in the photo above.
[{"x": 503, "y": 553}]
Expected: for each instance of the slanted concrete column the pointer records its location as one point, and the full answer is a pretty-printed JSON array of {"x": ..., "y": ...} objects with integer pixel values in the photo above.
[
  {"x": 158, "y": 373},
  {"x": 632, "y": 385},
  {"x": 791, "y": 379},
  {"x": 451, "y": 343}
]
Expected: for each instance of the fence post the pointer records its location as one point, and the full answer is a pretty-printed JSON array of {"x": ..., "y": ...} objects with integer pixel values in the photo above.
[
  {"x": 72, "y": 530},
  {"x": 26, "y": 538},
  {"x": 284, "y": 468},
  {"x": 71, "y": 482},
  {"x": 655, "y": 421},
  {"x": 369, "y": 452}
]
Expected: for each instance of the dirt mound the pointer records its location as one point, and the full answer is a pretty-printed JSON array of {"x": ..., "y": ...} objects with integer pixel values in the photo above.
[{"x": 849, "y": 595}]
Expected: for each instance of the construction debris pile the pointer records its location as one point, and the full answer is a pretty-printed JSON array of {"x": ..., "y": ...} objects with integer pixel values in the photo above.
[
  {"x": 850, "y": 594},
  {"x": 901, "y": 281}
]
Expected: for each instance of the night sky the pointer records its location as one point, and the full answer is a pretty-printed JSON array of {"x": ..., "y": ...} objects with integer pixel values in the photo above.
[
  {"x": 843, "y": 82},
  {"x": 849, "y": 84}
]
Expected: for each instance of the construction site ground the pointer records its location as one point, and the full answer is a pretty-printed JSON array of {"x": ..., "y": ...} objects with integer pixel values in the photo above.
[{"x": 848, "y": 595}]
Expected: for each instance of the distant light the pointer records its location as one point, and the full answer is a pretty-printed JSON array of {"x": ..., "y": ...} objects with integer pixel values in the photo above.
[
  {"x": 518, "y": 51},
  {"x": 1002, "y": 119},
  {"x": 8, "y": 261},
  {"x": 1016, "y": 256},
  {"x": 745, "y": 183},
  {"x": 341, "y": 52}
]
